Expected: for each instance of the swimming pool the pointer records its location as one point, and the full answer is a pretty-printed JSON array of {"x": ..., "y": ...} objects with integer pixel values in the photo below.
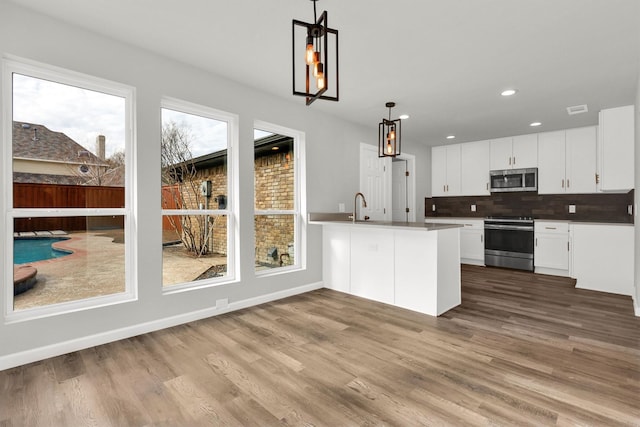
[{"x": 36, "y": 249}]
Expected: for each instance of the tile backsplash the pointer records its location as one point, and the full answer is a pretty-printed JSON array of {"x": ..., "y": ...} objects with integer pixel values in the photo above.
[{"x": 600, "y": 207}]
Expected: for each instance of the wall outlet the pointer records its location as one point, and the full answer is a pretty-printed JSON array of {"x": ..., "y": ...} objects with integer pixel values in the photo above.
[
  {"x": 222, "y": 303},
  {"x": 473, "y": 208},
  {"x": 630, "y": 209},
  {"x": 572, "y": 208},
  {"x": 341, "y": 207},
  {"x": 433, "y": 208}
]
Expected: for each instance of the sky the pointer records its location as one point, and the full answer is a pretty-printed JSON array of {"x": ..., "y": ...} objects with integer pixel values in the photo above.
[{"x": 83, "y": 114}]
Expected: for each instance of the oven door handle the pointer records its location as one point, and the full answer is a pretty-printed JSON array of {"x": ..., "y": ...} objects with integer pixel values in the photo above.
[{"x": 508, "y": 227}]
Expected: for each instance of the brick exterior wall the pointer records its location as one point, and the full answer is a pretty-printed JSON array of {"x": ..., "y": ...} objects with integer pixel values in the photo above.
[{"x": 274, "y": 189}]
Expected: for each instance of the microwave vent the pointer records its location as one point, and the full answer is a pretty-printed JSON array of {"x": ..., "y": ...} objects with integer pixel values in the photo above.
[{"x": 577, "y": 109}]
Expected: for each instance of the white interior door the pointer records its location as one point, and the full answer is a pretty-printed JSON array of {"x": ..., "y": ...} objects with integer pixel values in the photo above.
[
  {"x": 374, "y": 184},
  {"x": 399, "y": 192}
]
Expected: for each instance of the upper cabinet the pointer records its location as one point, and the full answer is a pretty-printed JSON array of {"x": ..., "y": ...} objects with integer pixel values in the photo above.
[
  {"x": 551, "y": 162},
  {"x": 567, "y": 161},
  {"x": 445, "y": 170},
  {"x": 615, "y": 149},
  {"x": 517, "y": 152},
  {"x": 581, "y": 151},
  {"x": 474, "y": 168}
]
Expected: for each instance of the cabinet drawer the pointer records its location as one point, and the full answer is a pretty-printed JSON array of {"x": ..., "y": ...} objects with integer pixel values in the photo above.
[
  {"x": 471, "y": 224},
  {"x": 551, "y": 227}
]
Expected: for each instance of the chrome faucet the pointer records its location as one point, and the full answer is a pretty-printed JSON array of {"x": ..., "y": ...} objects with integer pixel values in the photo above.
[{"x": 355, "y": 205}]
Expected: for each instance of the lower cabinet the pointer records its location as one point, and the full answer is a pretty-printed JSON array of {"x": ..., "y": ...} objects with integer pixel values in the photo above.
[
  {"x": 603, "y": 257},
  {"x": 372, "y": 262},
  {"x": 472, "y": 242},
  {"x": 551, "y": 248},
  {"x": 413, "y": 269},
  {"x": 471, "y": 238}
]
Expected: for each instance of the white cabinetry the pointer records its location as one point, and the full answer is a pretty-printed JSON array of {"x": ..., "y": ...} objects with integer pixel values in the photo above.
[
  {"x": 615, "y": 151},
  {"x": 551, "y": 162},
  {"x": 552, "y": 248},
  {"x": 603, "y": 256},
  {"x": 515, "y": 152},
  {"x": 471, "y": 238},
  {"x": 414, "y": 268},
  {"x": 371, "y": 272},
  {"x": 472, "y": 242},
  {"x": 581, "y": 152},
  {"x": 567, "y": 161},
  {"x": 445, "y": 170},
  {"x": 474, "y": 168}
]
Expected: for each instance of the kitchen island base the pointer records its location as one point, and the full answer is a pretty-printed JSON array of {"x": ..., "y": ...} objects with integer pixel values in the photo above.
[{"x": 409, "y": 267}]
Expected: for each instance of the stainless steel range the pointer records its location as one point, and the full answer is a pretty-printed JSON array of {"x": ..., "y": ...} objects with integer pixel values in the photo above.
[{"x": 508, "y": 242}]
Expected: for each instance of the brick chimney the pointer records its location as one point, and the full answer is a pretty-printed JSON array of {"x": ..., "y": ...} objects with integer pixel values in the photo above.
[{"x": 100, "y": 146}]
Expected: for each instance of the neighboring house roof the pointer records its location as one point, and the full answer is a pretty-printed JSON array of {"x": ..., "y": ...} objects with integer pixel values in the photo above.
[
  {"x": 45, "y": 178},
  {"x": 37, "y": 142}
]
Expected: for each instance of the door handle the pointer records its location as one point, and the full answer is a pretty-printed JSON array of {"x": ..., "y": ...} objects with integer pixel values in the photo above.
[
  {"x": 563, "y": 183},
  {"x": 536, "y": 241},
  {"x": 568, "y": 183}
]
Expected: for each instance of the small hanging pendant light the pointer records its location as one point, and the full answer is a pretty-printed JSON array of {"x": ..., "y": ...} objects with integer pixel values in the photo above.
[
  {"x": 317, "y": 57},
  {"x": 389, "y": 133}
]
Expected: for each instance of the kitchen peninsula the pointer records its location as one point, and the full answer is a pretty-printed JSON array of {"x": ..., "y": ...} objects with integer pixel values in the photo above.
[{"x": 409, "y": 265}]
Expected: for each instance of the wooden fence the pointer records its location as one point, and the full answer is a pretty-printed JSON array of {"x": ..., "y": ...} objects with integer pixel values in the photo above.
[{"x": 67, "y": 196}]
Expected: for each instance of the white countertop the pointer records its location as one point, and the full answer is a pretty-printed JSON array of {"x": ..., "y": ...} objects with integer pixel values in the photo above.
[{"x": 417, "y": 226}]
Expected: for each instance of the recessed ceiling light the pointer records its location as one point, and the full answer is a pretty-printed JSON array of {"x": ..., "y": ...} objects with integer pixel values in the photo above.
[
  {"x": 535, "y": 124},
  {"x": 509, "y": 92},
  {"x": 403, "y": 116},
  {"x": 275, "y": 148},
  {"x": 451, "y": 136}
]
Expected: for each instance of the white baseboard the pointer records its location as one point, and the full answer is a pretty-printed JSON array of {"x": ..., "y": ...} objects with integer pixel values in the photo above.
[{"x": 41, "y": 353}]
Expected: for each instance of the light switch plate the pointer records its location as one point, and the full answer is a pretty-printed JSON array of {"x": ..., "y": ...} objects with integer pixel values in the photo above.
[
  {"x": 340, "y": 207},
  {"x": 572, "y": 208},
  {"x": 433, "y": 208},
  {"x": 473, "y": 208}
]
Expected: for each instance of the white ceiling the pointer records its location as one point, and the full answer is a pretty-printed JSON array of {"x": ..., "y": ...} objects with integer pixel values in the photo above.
[{"x": 444, "y": 62}]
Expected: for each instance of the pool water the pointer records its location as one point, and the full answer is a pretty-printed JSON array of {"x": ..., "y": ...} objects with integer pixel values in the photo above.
[{"x": 36, "y": 249}]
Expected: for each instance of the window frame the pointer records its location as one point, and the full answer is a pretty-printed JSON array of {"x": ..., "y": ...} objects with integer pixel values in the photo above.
[
  {"x": 231, "y": 210},
  {"x": 10, "y": 65},
  {"x": 300, "y": 205}
]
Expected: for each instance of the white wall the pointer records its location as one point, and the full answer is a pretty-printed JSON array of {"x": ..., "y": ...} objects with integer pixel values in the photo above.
[{"x": 331, "y": 177}]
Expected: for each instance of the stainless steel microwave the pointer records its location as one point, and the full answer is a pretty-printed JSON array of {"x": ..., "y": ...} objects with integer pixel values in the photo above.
[{"x": 513, "y": 180}]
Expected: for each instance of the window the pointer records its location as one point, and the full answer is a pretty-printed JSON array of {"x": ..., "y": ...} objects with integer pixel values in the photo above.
[
  {"x": 277, "y": 184},
  {"x": 197, "y": 220},
  {"x": 69, "y": 205}
]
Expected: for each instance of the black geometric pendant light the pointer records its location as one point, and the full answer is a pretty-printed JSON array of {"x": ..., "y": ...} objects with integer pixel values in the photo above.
[{"x": 315, "y": 63}]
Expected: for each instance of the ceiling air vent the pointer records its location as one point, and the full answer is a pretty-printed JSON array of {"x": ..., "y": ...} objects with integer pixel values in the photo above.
[{"x": 577, "y": 109}]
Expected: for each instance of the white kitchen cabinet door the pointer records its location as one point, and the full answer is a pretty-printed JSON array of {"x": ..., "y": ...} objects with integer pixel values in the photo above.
[
  {"x": 581, "y": 167},
  {"x": 501, "y": 153},
  {"x": 472, "y": 242},
  {"x": 551, "y": 250},
  {"x": 475, "y": 159},
  {"x": 616, "y": 152},
  {"x": 445, "y": 170},
  {"x": 525, "y": 151},
  {"x": 551, "y": 163},
  {"x": 372, "y": 264},
  {"x": 603, "y": 257},
  {"x": 336, "y": 255},
  {"x": 438, "y": 171},
  {"x": 453, "y": 170}
]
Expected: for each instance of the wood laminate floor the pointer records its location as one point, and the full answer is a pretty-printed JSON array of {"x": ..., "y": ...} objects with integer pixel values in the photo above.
[{"x": 522, "y": 349}]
